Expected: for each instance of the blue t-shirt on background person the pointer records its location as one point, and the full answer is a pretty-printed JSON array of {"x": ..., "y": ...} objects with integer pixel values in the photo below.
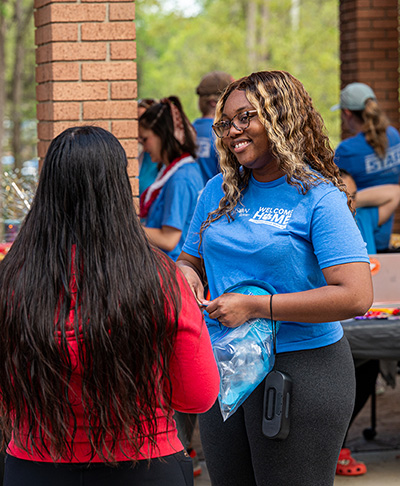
[
  {"x": 367, "y": 221},
  {"x": 176, "y": 203},
  {"x": 147, "y": 173},
  {"x": 207, "y": 156},
  {"x": 281, "y": 237},
  {"x": 359, "y": 159}
]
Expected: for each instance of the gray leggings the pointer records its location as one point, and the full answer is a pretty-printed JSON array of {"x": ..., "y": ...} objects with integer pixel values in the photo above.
[{"x": 238, "y": 454}]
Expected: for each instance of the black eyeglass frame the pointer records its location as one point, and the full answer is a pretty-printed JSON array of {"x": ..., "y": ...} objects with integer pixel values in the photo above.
[{"x": 217, "y": 126}]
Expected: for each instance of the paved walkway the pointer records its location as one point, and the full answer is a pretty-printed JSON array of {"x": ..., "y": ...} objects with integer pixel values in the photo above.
[
  {"x": 383, "y": 470},
  {"x": 381, "y": 455}
]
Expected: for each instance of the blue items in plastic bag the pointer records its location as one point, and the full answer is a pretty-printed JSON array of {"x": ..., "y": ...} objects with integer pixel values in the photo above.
[{"x": 244, "y": 354}]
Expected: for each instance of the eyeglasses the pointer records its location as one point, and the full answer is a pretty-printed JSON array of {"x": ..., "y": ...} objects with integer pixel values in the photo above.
[{"x": 221, "y": 129}]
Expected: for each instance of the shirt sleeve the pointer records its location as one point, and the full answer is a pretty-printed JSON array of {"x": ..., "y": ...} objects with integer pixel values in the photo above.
[
  {"x": 334, "y": 233},
  {"x": 342, "y": 159},
  {"x": 194, "y": 373},
  {"x": 192, "y": 243},
  {"x": 178, "y": 199}
]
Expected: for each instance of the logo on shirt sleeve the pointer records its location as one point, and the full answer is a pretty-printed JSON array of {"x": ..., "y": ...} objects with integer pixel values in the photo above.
[{"x": 277, "y": 217}]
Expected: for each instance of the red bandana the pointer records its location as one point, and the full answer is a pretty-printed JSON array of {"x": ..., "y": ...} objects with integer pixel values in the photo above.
[{"x": 150, "y": 194}]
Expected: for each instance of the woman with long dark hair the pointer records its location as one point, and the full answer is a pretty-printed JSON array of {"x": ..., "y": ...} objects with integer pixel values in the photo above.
[
  {"x": 101, "y": 338},
  {"x": 278, "y": 213},
  {"x": 167, "y": 205}
]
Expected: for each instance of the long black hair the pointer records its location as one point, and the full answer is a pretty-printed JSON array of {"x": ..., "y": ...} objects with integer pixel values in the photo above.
[{"x": 82, "y": 248}]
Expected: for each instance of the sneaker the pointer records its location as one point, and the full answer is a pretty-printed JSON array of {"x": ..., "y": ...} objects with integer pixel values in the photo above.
[
  {"x": 196, "y": 462},
  {"x": 348, "y": 466},
  {"x": 380, "y": 386}
]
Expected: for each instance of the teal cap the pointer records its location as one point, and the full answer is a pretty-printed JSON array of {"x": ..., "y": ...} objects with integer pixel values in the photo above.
[{"x": 354, "y": 96}]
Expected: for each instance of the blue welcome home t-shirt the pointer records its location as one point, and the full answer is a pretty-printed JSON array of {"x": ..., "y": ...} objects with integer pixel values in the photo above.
[
  {"x": 176, "y": 203},
  {"x": 207, "y": 156},
  {"x": 367, "y": 169},
  {"x": 281, "y": 237}
]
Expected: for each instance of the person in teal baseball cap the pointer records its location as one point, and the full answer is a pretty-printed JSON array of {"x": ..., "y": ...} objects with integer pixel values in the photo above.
[
  {"x": 354, "y": 96},
  {"x": 372, "y": 154}
]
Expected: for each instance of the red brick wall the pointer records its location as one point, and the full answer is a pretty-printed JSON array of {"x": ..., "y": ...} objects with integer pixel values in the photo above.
[
  {"x": 86, "y": 71},
  {"x": 369, "y": 53},
  {"x": 369, "y": 49}
]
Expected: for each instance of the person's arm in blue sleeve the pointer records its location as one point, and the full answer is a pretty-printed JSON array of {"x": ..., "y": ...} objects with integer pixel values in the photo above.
[
  {"x": 190, "y": 260},
  {"x": 177, "y": 196}
]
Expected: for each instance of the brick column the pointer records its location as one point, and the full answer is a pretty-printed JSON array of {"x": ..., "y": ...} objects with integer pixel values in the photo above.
[
  {"x": 369, "y": 49},
  {"x": 369, "y": 53},
  {"x": 86, "y": 71}
]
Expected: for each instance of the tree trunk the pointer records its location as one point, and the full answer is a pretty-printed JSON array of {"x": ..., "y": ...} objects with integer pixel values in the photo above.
[
  {"x": 295, "y": 20},
  {"x": 264, "y": 53},
  {"x": 17, "y": 84},
  {"x": 295, "y": 14},
  {"x": 2, "y": 77},
  {"x": 252, "y": 34},
  {"x": 257, "y": 34},
  {"x": 2, "y": 106}
]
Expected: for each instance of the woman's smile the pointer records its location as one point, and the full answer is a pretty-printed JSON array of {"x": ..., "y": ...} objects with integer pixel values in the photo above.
[{"x": 240, "y": 145}]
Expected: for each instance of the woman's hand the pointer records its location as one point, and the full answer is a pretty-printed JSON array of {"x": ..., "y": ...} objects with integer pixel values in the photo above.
[
  {"x": 194, "y": 282},
  {"x": 233, "y": 310},
  {"x": 191, "y": 268}
]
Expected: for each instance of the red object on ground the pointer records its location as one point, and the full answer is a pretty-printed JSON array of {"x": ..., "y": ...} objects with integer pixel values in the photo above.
[
  {"x": 196, "y": 463},
  {"x": 4, "y": 247},
  {"x": 348, "y": 466}
]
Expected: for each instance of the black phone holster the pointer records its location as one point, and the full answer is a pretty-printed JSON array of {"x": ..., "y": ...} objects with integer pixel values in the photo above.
[{"x": 277, "y": 397}]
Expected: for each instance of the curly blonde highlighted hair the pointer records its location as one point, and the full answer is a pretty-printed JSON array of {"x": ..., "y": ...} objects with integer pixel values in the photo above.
[{"x": 296, "y": 134}]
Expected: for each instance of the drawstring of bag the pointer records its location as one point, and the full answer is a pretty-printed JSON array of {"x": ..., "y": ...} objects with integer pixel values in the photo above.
[{"x": 273, "y": 325}]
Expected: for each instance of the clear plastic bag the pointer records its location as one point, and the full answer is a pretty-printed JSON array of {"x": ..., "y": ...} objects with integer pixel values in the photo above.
[{"x": 244, "y": 354}]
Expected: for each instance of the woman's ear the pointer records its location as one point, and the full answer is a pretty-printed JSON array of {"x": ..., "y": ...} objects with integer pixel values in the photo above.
[
  {"x": 347, "y": 114},
  {"x": 347, "y": 117},
  {"x": 352, "y": 123}
]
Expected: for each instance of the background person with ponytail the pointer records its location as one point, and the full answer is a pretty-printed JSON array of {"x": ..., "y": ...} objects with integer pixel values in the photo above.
[
  {"x": 370, "y": 165},
  {"x": 101, "y": 337},
  {"x": 167, "y": 206},
  {"x": 372, "y": 155}
]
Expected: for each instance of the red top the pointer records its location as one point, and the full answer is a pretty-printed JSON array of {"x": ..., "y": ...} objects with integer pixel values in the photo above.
[{"x": 195, "y": 386}]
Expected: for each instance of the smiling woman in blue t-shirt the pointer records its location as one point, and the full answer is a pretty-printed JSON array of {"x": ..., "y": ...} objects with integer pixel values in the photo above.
[{"x": 279, "y": 214}]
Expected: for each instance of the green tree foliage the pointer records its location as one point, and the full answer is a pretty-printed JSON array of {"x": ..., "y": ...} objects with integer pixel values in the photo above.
[
  {"x": 176, "y": 50},
  {"x": 18, "y": 69}
]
